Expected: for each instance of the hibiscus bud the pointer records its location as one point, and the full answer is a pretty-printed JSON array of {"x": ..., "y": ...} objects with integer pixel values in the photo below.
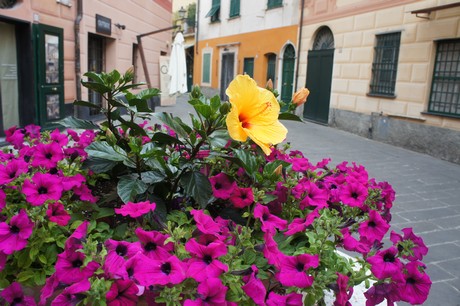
[
  {"x": 196, "y": 92},
  {"x": 278, "y": 170},
  {"x": 129, "y": 74},
  {"x": 224, "y": 108},
  {"x": 300, "y": 96},
  {"x": 269, "y": 84}
]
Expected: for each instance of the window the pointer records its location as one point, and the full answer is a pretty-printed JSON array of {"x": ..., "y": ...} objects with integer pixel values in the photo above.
[
  {"x": 445, "y": 87},
  {"x": 248, "y": 66},
  {"x": 234, "y": 8},
  {"x": 271, "y": 66},
  {"x": 385, "y": 65},
  {"x": 206, "y": 78},
  {"x": 95, "y": 64},
  {"x": 274, "y": 3},
  {"x": 135, "y": 63},
  {"x": 214, "y": 12}
]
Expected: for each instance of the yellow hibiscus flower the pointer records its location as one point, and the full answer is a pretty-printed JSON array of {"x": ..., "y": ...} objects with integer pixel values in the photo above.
[{"x": 254, "y": 114}]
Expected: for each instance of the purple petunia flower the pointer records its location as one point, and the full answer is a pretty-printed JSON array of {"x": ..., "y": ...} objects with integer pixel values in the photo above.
[
  {"x": 419, "y": 249},
  {"x": 41, "y": 188},
  {"x": 254, "y": 287},
  {"x": 344, "y": 291},
  {"x": 210, "y": 292},
  {"x": 151, "y": 272},
  {"x": 315, "y": 196},
  {"x": 222, "y": 187},
  {"x": 118, "y": 252},
  {"x": 47, "y": 155},
  {"x": 375, "y": 228},
  {"x": 385, "y": 264},
  {"x": 242, "y": 197},
  {"x": 352, "y": 244},
  {"x": 291, "y": 299},
  {"x": 12, "y": 170},
  {"x": 269, "y": 222},
  {"x": 153, "y": 244},
  {"x": 13, "y": 236},
  {"x": 2, "y": 199},
  {"x": 204, "y": 263},
  {"x": 135, "y": 210},
  {"x": 417, "y": 284},
  {"x": 14, "y": 295},
  {"x": 57, "y": 214},
  {"x": 379, "y": 292},
  {"x": 122, "y": 292},
  {"x": 270, "y": 250},
  {"x": 69, "y": 267},
  {"x": 71, "y": 295},
  {"x": 293, "y": 270},
  {"x": 353, "y": 194},
  {"x": 206, "y": 223},
  {"x": 300, "y": 224},
  {"x": 59, "y": 138}
]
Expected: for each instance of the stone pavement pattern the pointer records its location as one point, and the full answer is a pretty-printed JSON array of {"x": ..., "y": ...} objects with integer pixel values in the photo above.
[{"x": 427, "y": 192}]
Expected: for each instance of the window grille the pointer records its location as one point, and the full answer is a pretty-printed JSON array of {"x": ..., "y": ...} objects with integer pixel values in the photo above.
[
  {"x": 214, "y": 12},
  {"x": 445, "y": 87},
  {"x": 234, "y": 8},
  {"x": 385, "y": 64},
  {"x": 274, "y": 3}
]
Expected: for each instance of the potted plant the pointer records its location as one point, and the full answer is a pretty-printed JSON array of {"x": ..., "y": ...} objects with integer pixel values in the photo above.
[{"x": 216, "y": 212}]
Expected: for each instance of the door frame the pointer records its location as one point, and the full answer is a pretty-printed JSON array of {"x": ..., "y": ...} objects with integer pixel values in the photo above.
[
  {"x": 47, "y": 88},
  {"x": 223, "y": 51}
]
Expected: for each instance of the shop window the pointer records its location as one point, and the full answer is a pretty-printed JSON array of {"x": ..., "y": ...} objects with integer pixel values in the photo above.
[
  {"x": 385, "y": 65},
  {"x": 445, "y": 86}
]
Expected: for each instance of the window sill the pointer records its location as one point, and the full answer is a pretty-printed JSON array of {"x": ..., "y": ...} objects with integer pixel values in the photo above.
[
  {"x": 274, "y": 7},
  {"x": 233, "y": 17},
  {"x": 441, "y": 115},
  {"x": 376, "y": 95}
]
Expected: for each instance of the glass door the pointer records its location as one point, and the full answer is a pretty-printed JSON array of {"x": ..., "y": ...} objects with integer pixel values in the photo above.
[{"x": 50, "y": 74}]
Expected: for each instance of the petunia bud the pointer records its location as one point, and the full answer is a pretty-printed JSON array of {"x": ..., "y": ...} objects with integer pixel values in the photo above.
[{"x": 300, "y": 96}]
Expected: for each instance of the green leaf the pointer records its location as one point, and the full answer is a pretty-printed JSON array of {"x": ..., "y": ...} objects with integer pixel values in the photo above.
[
  {"x": 173, "y": 122},
  {"x": 163, "y": 138},
  {"x": 289, "y": 116},
  {"x": 75, "y": 123},
  {"x": 135, "y": 127},
  {"x": 96, "y": 77},
  {"x": 204, "y": 110},
  {"x": 141, "y": 105},
  {"x": 151, "y": 177},
  {"x": 99, "y": 165},
  {"x": 148, "y": 93},
  {"x": 86, "y": 103},
  {"x": 103, "y": 150},
  {"x": 248, "y": 159},
  {"x": 24, "y": 276},
  {"x": 113, "y": 76},
  {"x": 215, "y": 103},
  {"x": 197, "y": 185},
  {"x": 98, "y": 87},
  {"x": 130, "y": 186},
  {"x": 104, "y": 212}
]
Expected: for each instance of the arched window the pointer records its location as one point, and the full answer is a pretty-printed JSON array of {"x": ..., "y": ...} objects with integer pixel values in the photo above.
[{"x": 324, "y": 39}]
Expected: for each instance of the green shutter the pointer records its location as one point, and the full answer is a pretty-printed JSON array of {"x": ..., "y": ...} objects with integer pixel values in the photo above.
[
  {"x": 234, "y": 8},
  {"x": 206, "y": 68},
  {"x": 248, "y": 66},
  {"x": 274, "y": 3},
  {"x": 214, "y": 11}
]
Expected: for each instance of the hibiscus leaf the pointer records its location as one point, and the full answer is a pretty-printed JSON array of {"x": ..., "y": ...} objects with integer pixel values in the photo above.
[
  {"x": 248, "y": 160},
  {"x": 203, "y": 109},
  {"x": 99, "y": 165},
  {"x": 151, "y": 177},
  {"x": 174, "y": 123},
  {"x": 197, "y": 185},
  {"x": 103, "y": 150},
  {"x": 75, "y": 123},
  {"x": 104, "y": 212},
  {"x": 163, "y": 138},
  {"x": 129, "y": 186},
  {"x": 289, "y": 116}
]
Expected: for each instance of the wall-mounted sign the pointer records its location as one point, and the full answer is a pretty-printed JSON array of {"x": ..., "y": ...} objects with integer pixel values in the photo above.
[{"x": 103, "y": 25}]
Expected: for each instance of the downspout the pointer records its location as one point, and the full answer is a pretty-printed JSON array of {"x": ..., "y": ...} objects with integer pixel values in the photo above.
[
  {"x": 299, "y": 45},
  {"x": 77, "y": 53},
  {"x": 197, "y": 25}
]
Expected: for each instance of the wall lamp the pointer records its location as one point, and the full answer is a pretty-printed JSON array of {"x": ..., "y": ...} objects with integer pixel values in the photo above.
[{"x": 120, "y": 26}]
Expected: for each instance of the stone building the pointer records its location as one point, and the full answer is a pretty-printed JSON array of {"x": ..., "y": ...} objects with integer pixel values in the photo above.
[{"x": 47, "y": 46}]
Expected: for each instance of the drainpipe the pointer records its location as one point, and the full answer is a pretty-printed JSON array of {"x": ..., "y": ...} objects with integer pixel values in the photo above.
[
  {"x": 197, "y": 25},
  {"x": 77, "y": 52},
  {"x": 299, "y": 45}
]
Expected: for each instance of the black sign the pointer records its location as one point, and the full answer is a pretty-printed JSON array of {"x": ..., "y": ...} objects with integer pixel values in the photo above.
[{"x": 103, "y": 25}]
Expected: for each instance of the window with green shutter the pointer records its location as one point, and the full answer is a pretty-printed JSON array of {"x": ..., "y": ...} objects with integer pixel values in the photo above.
[
  {"x": 445, "y": 86},
  {"x": 385, "y": 65},
  {"x": 214, "y": 12},
  {"x": 206, "y": 78},
  {"x": 234, "y": 8},
  {"x": 274, "y": 3},
  {"x": 248, "y": 66}
]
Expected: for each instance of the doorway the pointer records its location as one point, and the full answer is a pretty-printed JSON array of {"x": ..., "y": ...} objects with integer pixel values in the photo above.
[
  {"x": 287, "y": 77},
  {"x": 227, "y": 73},
  {"x": 319, "y": 77}
]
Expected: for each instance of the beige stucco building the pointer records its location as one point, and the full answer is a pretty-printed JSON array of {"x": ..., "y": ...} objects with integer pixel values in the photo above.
[
  {"x": 387, "y": 70},
  {"x": 47, "y": 46}
]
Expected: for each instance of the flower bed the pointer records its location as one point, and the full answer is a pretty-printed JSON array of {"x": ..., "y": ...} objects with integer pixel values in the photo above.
[{"x": 215, "y": 213}]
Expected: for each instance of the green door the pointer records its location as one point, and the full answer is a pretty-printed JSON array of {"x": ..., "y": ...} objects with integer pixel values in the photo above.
[
  {"x": 319, "y": 78},
  {"x": 50, "y": 74},
  {"x": 287, "y": 78}
]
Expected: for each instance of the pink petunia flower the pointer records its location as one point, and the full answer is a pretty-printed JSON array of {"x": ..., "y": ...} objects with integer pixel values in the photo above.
[
  {"x": 3, "y": 259},
  {"x": 74, "y": 241},
  {"x": 70, "y": 269},
  {"x": 419, "y": 249},
  {"x": 375, "y": 228},
  {"x": 71, "y": 295},
  {"x": 122, "y": 292},
  {"x": 151, "y": 272},
  {"x": 204, "y": 263},
  {"x": 206, "y": 223},
  {"x": 242, "y": 197},
  {"x": 353, "y": 193},
  {"x": 69, "y": 182},
  {"x": 352, "y": 244},
  {"x": 269, "y": 222},
  {"x": 118, "y": 252},
  {"x": 47, "y": 155},
  {"x": 13, "y": 236},
  {"x": 293, "y": 270},
  {"x": 42, "y": 187},
  {"x": 59, "y": 138},
  {"x": 379, "y": 292},
  {"x": 2, "y": 199},
  {"x": 254, "y": 287},
  {"x": 344, "y": 291},
  {"x": 15, "y": 136},
  {"x": 301, "y": 164},
  {"x": 33, "y": 131},
  {"x": 417, "y": 284},
  {"x": 135, "y": 210},
  {"x": 12, "y": 170},
  {"x": 57, "y": 214},
  {"x": 222, "y": 187},
  {"x": 315, "y": 196},
  {"x": 14, "y": 295},
  {"x": 210, "y": 292},
  {"x": 385, "y": 264},
  {"x": 153, "y": 244},
  {"x": 291, "y": 299},
  {"x": 270, "y": 250},
  {"x": 84, "y": 193},
  {"x": 300, "y": 224}
]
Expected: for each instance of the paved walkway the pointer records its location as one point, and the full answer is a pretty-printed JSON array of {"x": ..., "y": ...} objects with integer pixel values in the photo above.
[{"x": 427, "y": 192}]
